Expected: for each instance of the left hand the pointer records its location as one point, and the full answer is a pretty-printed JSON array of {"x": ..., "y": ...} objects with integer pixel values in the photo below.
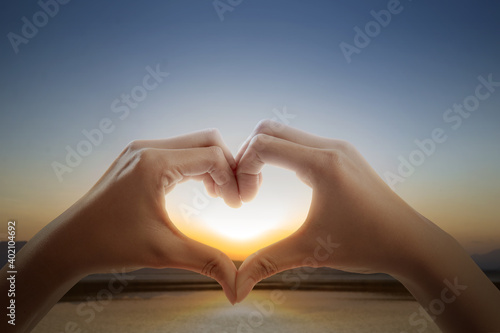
[{"x": 122, "y": 222}]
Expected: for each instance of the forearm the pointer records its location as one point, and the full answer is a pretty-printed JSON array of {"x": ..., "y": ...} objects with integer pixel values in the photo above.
[
  {"x": 45, "y": 272},
  {"x": 447, "y": 283}
]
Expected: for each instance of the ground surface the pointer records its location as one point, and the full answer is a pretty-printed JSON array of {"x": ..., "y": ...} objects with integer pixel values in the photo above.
[{"x": 210, "y": 312}]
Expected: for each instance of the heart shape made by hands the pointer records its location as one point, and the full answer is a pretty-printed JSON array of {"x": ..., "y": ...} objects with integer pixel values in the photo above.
[{"x": 278, "y": 210}]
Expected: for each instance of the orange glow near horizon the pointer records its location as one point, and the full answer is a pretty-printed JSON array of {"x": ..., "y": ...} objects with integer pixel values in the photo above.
[{"x": 242, "y": 231}]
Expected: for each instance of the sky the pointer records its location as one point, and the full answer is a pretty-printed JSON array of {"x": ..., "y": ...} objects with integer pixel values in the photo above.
[{"x": 381, "y": 74}]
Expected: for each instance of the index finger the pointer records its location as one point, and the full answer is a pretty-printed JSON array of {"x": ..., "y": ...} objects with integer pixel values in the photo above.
[
  {"x": 181, "y": 163},
  {"x": 264, "y": 149},
  {"x": 204, "y": 138},
  {"x": 282, "y": 131}
]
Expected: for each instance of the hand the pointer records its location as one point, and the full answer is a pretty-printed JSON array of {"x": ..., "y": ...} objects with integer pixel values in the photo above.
[
  {"x": 357, "y": 223},
  {"x": 123, "y": 216},
  {"x": 353, "y": 212},
  {"x": 121, "y": 223}
]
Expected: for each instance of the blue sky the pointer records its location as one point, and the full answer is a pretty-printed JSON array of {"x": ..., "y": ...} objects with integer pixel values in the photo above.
[{"x": 229, "y": 74}]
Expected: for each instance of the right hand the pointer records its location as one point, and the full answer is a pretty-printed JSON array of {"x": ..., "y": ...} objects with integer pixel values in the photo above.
[{"x": 356, "y": 222}]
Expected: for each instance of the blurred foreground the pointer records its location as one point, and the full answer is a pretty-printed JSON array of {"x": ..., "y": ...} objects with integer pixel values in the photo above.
[{"x": 263, "y": 311}]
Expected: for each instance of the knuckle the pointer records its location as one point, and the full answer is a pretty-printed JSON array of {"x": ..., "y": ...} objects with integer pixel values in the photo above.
[
  {"x": 212, "y": 268},
  {"x": 216, "y": 152},
  {"x": 134, "y": 145},
  {"x": 213, "y": 135},
  {"x": 170, "y": 177},
  {"x": 330, "y": 162},
  {"x": 219, "y": 168},
  {"x": 333, "y": 163},
  {"x": 146, "y": 162},
  {"x": 265, "y": 126},
  {"x": 225, "y": 179},
  {"x": 259, "y": 141},
  {"x": 345, "y": 146},
  {"x": 144, "y": 157},
  {"x": 264, "y": 267},
  {"x": 331, "y": 158}
]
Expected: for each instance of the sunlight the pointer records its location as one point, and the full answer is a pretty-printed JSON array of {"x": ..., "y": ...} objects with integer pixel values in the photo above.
[
  {"x": 246, "y": 222},
  {"x": 278, "y": 210}
]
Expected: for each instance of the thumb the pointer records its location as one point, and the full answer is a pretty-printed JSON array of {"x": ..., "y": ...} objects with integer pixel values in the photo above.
[
  {"x": 206, "y": 260},
  {"x": 275, "y": 258}
]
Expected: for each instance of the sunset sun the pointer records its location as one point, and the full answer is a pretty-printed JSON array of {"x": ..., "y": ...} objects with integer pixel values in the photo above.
[{"x": 242, "y": 231}]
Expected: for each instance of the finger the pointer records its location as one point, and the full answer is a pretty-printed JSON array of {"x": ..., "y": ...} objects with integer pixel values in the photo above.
[
  {"x": 210, "y": 186},
  {"x": 265, "y": 149},
  {"x": 282, "y": 131},
  {"x": 204, "y": 138},
  {"x": 210, "y": 262},
  {"x": 181, "y": 163},
  {"x": 280, "y": 256},
  {"x": 207, "y": 181}
]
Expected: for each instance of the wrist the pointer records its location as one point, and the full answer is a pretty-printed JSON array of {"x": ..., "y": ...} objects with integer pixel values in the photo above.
[
  {"x": 44, "y": 274},
  {"x": 447, "y": 283},
  {"x": 425, "y": 253},
  {"x": 434, "y": 261},
  {"x": 61, "y": 246}
]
